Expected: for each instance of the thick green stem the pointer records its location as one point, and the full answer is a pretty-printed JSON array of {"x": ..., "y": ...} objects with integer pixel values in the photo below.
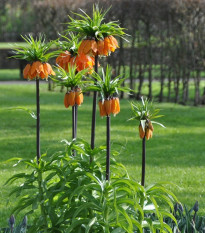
[
  {"x": 73, "y": 122},
  {"x": 143, "y": 160},
  {"x": 108, "y": 150},
  {"x": 38, "y": 120},
  {"x": 76, "y": 120},
  {"x": 94, "y": 112},
  {"x": 41, "y": 201}
]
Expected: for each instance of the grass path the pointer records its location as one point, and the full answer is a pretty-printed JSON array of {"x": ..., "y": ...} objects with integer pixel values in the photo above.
[{"x": 175, "y": 154}]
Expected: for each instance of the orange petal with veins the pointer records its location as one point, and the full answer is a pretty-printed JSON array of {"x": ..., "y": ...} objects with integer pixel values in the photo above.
[{"x": 26, "y": 71}]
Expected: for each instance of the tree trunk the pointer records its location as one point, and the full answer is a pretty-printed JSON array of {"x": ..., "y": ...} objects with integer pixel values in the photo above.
[
  {"x": 177, "y": 81},
  {"x": 185, "y": 87},
  {"x": 197, "y": 88},
  {"x": 169, "y": 84},
  {"x": 161, "y": 74},
  {"x": 121, "y": 64},
  {"x": 132, "y": 60},
  {"x": 141, "y": 81},
  {"x": 149, "y": 60}
]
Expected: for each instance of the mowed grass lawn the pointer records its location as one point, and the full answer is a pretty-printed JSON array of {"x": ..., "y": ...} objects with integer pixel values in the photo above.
[{"x": 175, "y": 154}]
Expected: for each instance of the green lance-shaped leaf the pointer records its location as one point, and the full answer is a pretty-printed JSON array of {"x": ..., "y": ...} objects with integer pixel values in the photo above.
[
  {"x": 32, "y": 114},
  {"x": 95, "y": 26},
  {"x": 90, "y": 224}
]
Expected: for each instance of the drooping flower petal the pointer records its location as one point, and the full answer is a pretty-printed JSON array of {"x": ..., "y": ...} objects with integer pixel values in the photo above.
[
  {"x": 33, "y": 67},
  {"x": 106, "y": 46},
  {"x": 78, "y": 96},
  {"x": 148, "y": 133},
  {"x": 47, "y": 67},
  {"x": 84, "y": 62},
  {"x": 40, "y": 68},
  {"x": 88, "y": 47},
  {"x": 71, "y": 98},
  {"x": 63, "y": 59},
  {"x": 100, "y": 47},
  {"x": 66, "y": 100},
  {"x": 108, "y": 106},
  {"x": 102, "y": 108},
  {"x": 141, "y": 132},
  {"x": 110, "y": 44},
  {"x": 113, "y": 42},
  {"x": 26, "y": 71},
  {"x": 115, "y": 105}
]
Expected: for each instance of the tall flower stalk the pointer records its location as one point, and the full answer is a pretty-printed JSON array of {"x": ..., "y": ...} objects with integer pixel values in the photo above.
[
  {"x": 37, "y": 55},
  {"x": 97, "y": 40},
  {"x": 109, "y": 103},
  {"x": 72, "y": 80},
  {"x": 72, "y": 62},
  {"x": 144, "y": 113}
]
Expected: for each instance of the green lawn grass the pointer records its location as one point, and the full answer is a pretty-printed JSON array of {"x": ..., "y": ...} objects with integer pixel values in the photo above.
[
  {"x": 9, "y": 75},
  {"x": 175, "y": 154}
]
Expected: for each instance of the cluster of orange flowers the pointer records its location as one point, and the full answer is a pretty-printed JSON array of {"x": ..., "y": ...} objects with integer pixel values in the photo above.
[
  {"x": 109, "y": 106},
  {"x": 88, "y": 48},
  {"x": 148, "y": 130},
  {"x": 100, "y": 47},
  {"x": 37, "y": 69},
  {"x": 73, "y": 97},
  {"x": 82, "y": 61}
]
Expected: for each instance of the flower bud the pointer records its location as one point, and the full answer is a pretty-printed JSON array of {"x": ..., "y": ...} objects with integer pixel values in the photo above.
[
  {"x": 12, "y": 221},
  {"x": 107, "y": 104},
  {"x": 78, "y": 96},
  {"x": 66, "y": 104},
  {"x": 141, "y": 132},
  {"x": 148, "y": 133},
  {"x": 102, "y": 108},
  {"x": 150, "y": 126},
  {"x": 115, "y": 105},
  {"x": 196, "y": 206},
  {"x": 24, "y": 222},
  {"x": 71, "y": 98}
]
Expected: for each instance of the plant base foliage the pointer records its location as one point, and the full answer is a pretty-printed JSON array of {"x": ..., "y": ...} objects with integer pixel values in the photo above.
[{"x": 70, "y": 194}]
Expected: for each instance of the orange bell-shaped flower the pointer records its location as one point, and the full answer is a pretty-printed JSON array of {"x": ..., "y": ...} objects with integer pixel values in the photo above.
[
  {"x": 78, "y": 96},
  {"x": 148, "y": 133},
  {"x": 88, "y": 47},
  {"x": 38, "y": 70},
  {"x": 150, "y": 126},
  {"x": 100, "y": 48},
  {"x": 110, "y": 44},
  {"x": 48, "y": 69},
  {"x": 26, "y": 71},
  {"x": 63, "y": 60},
  {"x": 102, "y": 109},
  {"x": 115, "y": 106},
  {"x": 71, "y": 98},
  {"x": 113, "y": 43},
  {"x": 66, "y": 100},
  {"x": 84, "y": 61},
  {"x": 108, "y": 106},
  {"x": 141, "y": 132}
]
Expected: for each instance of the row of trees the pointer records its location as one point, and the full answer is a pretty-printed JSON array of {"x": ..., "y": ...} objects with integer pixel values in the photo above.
[{"x": 166, "y": 42}]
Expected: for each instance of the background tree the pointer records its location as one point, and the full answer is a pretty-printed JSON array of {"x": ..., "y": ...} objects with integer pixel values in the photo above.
[{"x": 166, "y": 43}]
